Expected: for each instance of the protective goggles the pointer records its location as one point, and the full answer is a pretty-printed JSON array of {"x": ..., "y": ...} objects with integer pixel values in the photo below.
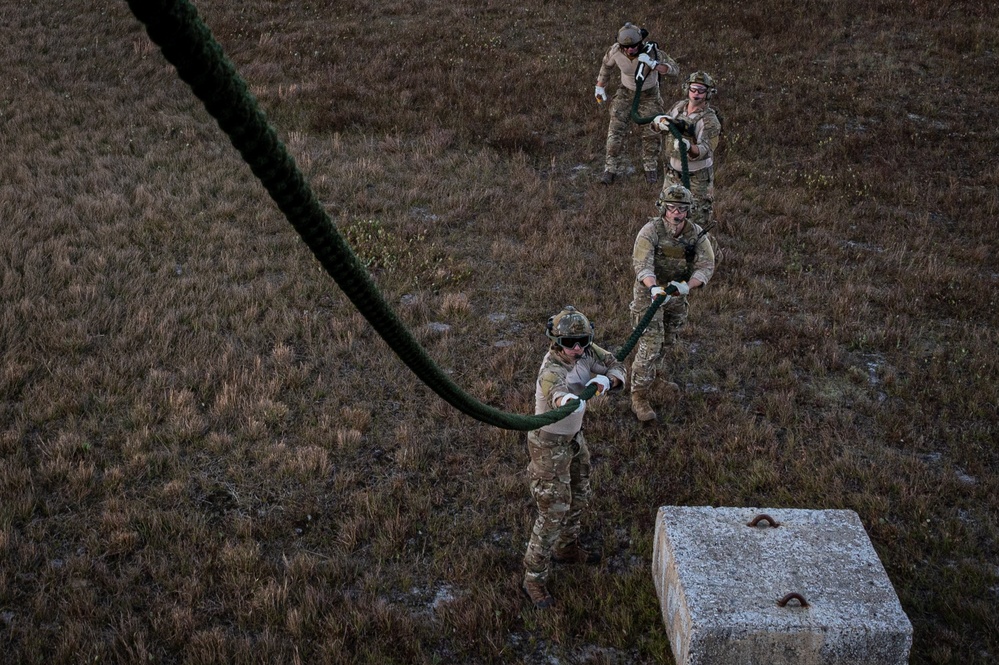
[
  {"x": 676, "y": 207},
  {"x": 632, "y": 47},
  {"x": 571, "y": 342},
  {"x": 697, "y": 87}
]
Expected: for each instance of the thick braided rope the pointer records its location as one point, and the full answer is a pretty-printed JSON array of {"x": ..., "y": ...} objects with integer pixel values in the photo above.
[
  {"x": 187, "y": 43},
  {"x": 636, "y": 334},
  {"x": 639, "y": 120}
]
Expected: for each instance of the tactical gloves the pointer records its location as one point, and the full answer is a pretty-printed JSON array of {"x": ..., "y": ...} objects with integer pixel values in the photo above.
[
  {"x": 661, "y": 123},
  {"x": 678, "y": 287},
  {"x": 646, "y": 59},
  {"x": 568, "y": 398},
  {"x": 603, "y": 383},
  {"x": 600, "y": 94},
  {"x": 657, "y": 291}
]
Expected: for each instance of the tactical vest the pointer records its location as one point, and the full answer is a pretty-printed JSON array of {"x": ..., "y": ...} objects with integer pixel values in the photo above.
[{"x": 674, "y": 259}]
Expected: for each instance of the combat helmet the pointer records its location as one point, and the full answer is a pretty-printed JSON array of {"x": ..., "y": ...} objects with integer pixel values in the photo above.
[
  {"x": 630, "y": 35},
  {"x": 675, "y": 194},
  {"x": 704, "y": 79},
  {"x": 569, "y": 327}
]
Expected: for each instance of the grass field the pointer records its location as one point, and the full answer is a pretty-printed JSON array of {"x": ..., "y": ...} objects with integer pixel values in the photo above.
[{"x": 207, "y": 455}]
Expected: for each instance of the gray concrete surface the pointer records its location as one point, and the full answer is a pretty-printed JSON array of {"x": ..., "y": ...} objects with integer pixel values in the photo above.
[{"x": 719, "y": 582}]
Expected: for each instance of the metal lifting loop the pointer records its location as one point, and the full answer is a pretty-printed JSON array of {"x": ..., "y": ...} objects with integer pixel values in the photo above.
[
  {"x": 792, "y": 596},
  {"x": 764, "y": 518}
]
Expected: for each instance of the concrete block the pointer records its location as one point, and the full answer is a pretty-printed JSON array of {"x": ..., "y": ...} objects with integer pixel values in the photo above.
[{"x": 719, "y": 582}]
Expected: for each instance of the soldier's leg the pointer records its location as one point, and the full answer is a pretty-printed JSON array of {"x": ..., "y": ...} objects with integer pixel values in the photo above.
[
  {"x": 649, "y": 105},
  {"x": 702, "y": 188},
  {"x": 549, "y": 477},
  {"x": 617, "y": 130},
  {"x": 674, "y": 317},
  {"x": 579, "y": 486},
  {"x": 672, "y": 177},
  {"x": 649, "y": 354}
]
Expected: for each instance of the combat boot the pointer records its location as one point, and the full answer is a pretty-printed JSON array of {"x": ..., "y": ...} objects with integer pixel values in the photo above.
[
  {"x": 641, "y": 407},
  {"x": 575, "y": 553},
  {"x": 538, "y": 594},
  {"x": 652, "y": 177},
  {"x": 607, "y": 178}
]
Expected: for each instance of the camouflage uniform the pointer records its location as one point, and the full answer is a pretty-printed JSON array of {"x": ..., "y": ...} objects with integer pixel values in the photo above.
[
  {"x": 559, "y": 472},
  {"x": 657, "y": 253},
  {"x": 701, "y": 170},
  {"x": 649, "y": 104}
]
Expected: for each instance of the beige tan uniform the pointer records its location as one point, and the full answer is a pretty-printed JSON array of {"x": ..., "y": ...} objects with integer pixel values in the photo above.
[
  {"x": 650, "y": 104},
  {"x": 659, "y": 254},
  {"x": 559, "y": 472},
  {"x": 707, "y": 130}
]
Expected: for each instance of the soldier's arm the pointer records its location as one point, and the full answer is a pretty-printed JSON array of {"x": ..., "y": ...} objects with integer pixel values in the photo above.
[
  {"x": 605, "y": 68},
  {"x": 609, "y": 366},
  {"x": 554, "y": 386},
  {"x": 643, "y": 256},
  {"x": 704, "y": 263},
  {"x": 708, "y": 131},
  {"x": 667, "y": 65}
]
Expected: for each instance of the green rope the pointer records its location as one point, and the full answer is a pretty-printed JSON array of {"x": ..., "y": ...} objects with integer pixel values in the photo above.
[
  {"x": 187, "y": 43},
  {"x": 636, "y": 334},
  {"x": 673, "y": 129}
]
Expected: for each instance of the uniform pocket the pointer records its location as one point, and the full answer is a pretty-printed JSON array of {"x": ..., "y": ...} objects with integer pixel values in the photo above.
[{"x": 549, "y": 461}]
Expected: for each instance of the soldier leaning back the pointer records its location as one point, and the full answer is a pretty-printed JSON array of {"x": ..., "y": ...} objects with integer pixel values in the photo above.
[{"x": 559, "y": 472}]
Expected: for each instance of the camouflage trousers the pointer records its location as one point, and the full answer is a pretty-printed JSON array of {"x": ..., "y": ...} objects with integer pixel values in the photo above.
[
  {"x": 559, "y": 476},
  {"x": 650, "y": 104},
  {"x": 660, "y": 335},
  {"x": 702, "y": 188}
]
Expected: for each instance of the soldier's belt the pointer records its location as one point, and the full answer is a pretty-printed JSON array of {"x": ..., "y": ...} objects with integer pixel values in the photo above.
[{"x": 554, "y": 438}]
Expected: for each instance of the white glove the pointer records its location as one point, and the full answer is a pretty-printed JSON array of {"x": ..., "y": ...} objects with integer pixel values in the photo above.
[
  {"x": 686, "y": 145},
  {"x": 603, "y": 383},
  {"x": 681, "y": 288},
  {"x": 657, "y": 291},
  {"x": 661, "y": 123},
  {"x": 600, "y": 94},
  {"x": 646, "y": 59},
  {"x": 568, "y": 398}
]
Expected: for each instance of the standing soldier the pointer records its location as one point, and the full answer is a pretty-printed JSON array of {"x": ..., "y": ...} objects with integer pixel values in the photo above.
[
  {"x": 673, "y": 250},
  {"x": 559, "y": 472},
  {"x": 703, "y": 131},
  {"x": 627, "y": 54}
]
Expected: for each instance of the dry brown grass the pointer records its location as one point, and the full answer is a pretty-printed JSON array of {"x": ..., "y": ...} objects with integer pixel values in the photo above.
[{"x": 207, "y": 456}]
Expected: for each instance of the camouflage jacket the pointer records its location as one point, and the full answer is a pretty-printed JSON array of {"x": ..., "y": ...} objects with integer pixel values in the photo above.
[
  {"x": 707, "y": 130},
  {"x": 558, "y": 378},
  {"x": 616, "y": 57},
  {"x": 658, "y": 254}
]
